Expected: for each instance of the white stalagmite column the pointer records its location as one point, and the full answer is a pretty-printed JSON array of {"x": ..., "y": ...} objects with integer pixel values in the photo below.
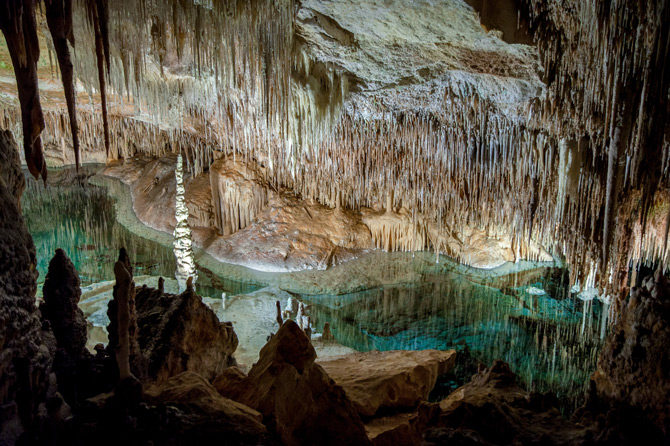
[{"x": 183, "y": 246}]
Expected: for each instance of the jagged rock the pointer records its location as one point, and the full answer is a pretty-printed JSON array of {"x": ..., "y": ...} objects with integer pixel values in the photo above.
[
  {"x": 633, "y": 373},
  {"x": 61, "y": 298},
  {"x": 179, "y": 333},
  {"x": 25, "y": 360},
  {"x": 297, "y": 398},
  {"x": 232, "y": 383},
  {"x": 184, "y": 409},
  {"x": 189, "y": 390},
  {"x": 493, "y": 409},
  {"x": 395, "y": 430},
  {"x": 390, "y": 379},
  {"x": 78, "y": 375}
]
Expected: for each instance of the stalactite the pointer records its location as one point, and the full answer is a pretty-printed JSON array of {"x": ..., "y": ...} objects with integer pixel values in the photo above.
[
  {"x": 17, "y": 22},
  {"x": 98, "y": 19},
  {"x": 241, "y": 87},
  {"x": 59, "y": 19}
]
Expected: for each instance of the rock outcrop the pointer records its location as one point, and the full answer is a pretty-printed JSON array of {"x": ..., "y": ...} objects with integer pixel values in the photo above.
[
  {"x": 297, "y": 398},
  {"x": 631, "y": 386},
  {"x": 493, "y": 410},
  {"x": 178, "y": 333},
  {"x": 25, "y": 360},
  {"x": 211, "y": 414},
  {"x": 392, "y": 379}
]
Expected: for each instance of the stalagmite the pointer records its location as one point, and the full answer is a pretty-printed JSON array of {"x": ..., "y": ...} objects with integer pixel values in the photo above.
[
  {"x": 280, "y": 321},
  {"x": 122, "y": 297},
  {"x": 183, "y": 245}
]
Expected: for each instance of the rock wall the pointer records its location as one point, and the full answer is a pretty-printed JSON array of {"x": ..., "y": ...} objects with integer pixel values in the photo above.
[
  {"x": 274, "y": 230},
  {"x": 25, "y": 360},
  {"x": 633, "y": 374}
]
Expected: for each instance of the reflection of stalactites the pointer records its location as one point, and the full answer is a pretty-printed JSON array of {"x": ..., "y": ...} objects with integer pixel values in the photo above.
[
  {"x": 183, "y": 246},
  {"x": 17, "y": 22},
  {"x": 97, "y": 15},
  {"x": 59, "y": 19}
]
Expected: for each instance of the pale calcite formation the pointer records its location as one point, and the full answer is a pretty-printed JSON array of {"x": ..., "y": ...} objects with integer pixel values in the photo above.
[{"x": 278, "y": 231}]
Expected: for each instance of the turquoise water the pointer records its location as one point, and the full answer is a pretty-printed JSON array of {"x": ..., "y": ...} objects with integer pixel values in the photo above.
[
  {"x": 541, "y": 337},
  {"x": 551, "y": 341},
  {"x": 80, "y": 218}
]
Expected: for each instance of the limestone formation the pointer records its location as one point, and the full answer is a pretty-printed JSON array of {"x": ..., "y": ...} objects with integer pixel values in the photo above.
[
  {"x": 25, "y": 359},
  {"x": 61, "y": 298},
  {"x": 388, "y": 380},
  {"x": 122, "y": 299},
  {"x": 122, "y": 310},
  {"x": 633, "y": 374},
  {"x": 493, "y": 410},
  {"x": 280, "y": 321},
  {"x": 297, "y": 398},
  {"x": 327, "y": 335},
  {"x": 189, "y": 390},
  {"x": 179, "y": 333}
]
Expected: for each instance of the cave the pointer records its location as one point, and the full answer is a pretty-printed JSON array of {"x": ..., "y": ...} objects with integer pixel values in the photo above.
[{"x": 334, "y": 222}]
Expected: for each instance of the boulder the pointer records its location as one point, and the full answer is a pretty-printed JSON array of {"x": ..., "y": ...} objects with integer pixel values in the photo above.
[
  {"x": 184, "y": 409},
  {"x": 493, "y": 409},
  {"x": 297, "y": 398},
  {"x": 391, "y": 379},
  {"x": 399, "y": 429},
  {"x": 189, "y": 390},
  {"x": 178, "y": 333}
]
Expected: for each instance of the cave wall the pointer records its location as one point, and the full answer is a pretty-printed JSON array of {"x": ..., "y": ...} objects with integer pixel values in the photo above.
[
  {"x": 561, "y": 140},
  {"x": 25, "y": 359}
]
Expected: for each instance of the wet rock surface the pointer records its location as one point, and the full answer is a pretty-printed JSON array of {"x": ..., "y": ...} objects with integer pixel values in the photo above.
[{"x": 393, "y": 379}]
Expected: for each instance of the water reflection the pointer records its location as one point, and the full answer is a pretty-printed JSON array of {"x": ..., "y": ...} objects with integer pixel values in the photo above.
[
  {"x": 528, "y": 319},
  {"x": 539, "y": 335},
  {"x": 80, "y": 218}
]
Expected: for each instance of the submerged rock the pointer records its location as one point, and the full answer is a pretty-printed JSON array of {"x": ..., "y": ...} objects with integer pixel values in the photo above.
[
  {"x": 297, "y": 398},
  {"x": 391, "y": 379},
  {"x": 178, "y": 333}
]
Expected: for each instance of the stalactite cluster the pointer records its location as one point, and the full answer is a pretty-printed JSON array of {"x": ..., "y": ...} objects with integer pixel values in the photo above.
[{"x": 578, "y": 168}]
